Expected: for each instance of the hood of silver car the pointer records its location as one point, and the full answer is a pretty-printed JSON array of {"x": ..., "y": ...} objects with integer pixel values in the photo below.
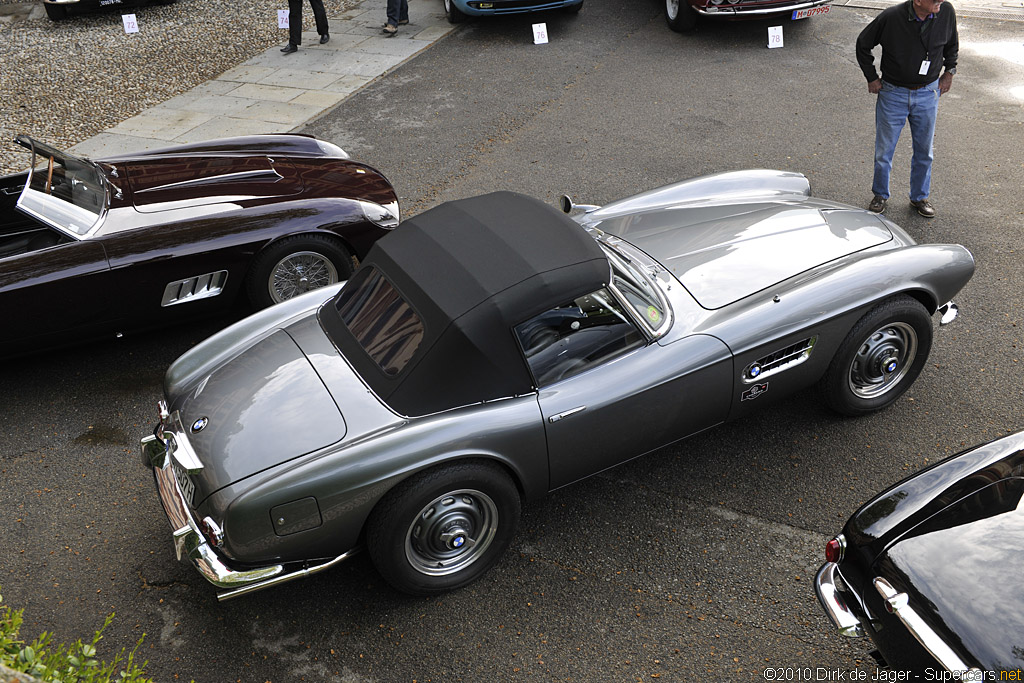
[
  {"x": 724, "y": 252},
  {"x": 263, "y": 407}
]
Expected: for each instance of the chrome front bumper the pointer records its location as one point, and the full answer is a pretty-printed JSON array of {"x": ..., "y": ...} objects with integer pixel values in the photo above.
[
  {"x": 189, "y": 541},
  {"x": 741, "y": 11}
]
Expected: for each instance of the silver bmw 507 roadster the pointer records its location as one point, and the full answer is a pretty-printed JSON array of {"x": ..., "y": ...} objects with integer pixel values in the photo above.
[{"x": 490, "y": 349}]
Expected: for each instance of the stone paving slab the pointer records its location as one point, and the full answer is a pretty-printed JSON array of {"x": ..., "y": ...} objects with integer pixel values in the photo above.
[{"x": 277, "y": 93}]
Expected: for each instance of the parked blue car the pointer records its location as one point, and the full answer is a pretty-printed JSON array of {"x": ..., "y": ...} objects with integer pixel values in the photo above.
[{"x": 457, "y": 10}]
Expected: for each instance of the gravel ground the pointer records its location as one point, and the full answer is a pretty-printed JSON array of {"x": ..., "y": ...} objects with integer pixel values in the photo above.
[{"x": 63, "y": 82}]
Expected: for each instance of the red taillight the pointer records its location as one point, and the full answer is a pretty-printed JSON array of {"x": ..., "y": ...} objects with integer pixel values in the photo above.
[
  {"x": 214, "y": 534},
  {"x": 834, "y": 550}
]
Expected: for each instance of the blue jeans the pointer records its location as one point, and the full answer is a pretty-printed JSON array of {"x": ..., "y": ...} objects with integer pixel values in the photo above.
[
  {"x": 894, "y": 108},
  {"x": 398, "y": 10}
]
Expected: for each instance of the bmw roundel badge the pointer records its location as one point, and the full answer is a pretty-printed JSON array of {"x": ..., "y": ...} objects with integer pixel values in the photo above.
[{"x": 200, "y": 424}]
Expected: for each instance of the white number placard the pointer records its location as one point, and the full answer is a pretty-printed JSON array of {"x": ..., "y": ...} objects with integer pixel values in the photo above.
[
  {"x": 130, "y": 24},
  {"x": 774, "y": 36},
  {"x": 540, "y": 34},
  {"x": 282, "y": 18}
]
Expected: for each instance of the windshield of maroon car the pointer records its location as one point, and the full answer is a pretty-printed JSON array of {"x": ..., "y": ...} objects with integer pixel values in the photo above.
[
  {"x": 63, "y": 191},
  {"x": 383, "y": 323}
]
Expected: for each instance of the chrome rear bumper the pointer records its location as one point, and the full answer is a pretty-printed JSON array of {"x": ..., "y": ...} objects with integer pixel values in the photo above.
[
  {"x": 189, "y": 542},
  {"x": 845, "y": 621}
]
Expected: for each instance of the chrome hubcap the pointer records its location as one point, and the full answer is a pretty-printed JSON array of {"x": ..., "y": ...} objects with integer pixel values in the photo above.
[
  {"x": 883, "y": 360},
  {"x": 451, "y": 532},
  {"x": 672, "y": 8},
  {"x": 299, "y": 273}
]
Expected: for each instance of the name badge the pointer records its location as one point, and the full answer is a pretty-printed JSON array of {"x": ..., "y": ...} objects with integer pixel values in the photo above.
[{"x": 925, "y": 65}]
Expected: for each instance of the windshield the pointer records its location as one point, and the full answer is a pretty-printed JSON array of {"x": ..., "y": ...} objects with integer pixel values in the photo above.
[
  {"x": 637, "y": 289},
  {"x": 63, "y": 190}
]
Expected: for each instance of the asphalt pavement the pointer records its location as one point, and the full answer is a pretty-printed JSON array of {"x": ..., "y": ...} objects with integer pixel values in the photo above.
[{"x": 692, "y": 563}]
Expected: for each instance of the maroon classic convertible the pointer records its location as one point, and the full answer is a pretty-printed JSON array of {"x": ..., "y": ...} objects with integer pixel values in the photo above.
[{"x": 90, "y": 248}]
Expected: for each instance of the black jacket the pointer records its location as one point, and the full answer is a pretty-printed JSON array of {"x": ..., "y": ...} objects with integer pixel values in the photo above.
[{"x": 906, "y": 43}]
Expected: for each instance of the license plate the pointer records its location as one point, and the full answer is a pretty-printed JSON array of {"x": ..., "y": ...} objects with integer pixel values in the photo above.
[
  {"x": 810, "y": 12},
  {"x": 188, "y": 489}
]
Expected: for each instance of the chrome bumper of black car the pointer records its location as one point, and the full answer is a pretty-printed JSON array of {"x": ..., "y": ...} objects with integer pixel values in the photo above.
[
  {"x": 899, "y": 605},
  {"x": 189, "y": 542},
  {"x": 847, "y": 623}
]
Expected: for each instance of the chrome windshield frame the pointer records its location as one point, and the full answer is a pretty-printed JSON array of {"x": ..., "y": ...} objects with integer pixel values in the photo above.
[
  {"x": 626, "y": 264},
  {"x": 32, "y": 201}
]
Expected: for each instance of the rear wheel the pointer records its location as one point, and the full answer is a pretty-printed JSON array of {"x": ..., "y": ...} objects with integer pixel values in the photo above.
[
  {"x": 454, "y": 14},
  {"x": 679, "y": 15},
  {"x": 296, "y": 265},
  {"x": 880, "y": 358},
  {"x": 443, "y": 528}
]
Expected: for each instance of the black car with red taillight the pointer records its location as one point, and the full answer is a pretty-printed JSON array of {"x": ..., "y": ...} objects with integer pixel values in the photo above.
[{"x": 930, "y": 568}]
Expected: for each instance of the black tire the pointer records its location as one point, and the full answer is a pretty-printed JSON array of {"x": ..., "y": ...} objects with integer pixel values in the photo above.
[
  {"x": 454, "y": 14},
  {"x": 574, "y": 9},
  {"x": 295, "y": 265},
  {"x": 679, "y": 16},
  {"x": 55, "y": 12},
  {"x": 880, "y": 358},
  {"x": 443, "y": 528}
]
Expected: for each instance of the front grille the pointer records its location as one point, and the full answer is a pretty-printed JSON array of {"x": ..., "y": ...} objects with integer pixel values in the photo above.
[{"x": 780, "y": 360}]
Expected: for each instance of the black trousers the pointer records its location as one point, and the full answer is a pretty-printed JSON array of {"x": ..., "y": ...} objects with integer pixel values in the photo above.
[{"x": 295, "y": 19}]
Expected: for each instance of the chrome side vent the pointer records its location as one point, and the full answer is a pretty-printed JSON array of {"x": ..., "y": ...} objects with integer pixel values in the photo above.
[
  {"x": 783, "y": 359},
  {"x": 194, "y": 288}
]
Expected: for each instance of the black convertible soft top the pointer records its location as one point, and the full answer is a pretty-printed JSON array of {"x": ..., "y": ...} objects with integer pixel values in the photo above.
[{"x": 472, "y": 269}]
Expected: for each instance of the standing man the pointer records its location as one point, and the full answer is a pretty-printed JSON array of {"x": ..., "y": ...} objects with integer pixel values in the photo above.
[
  {"x": 918, "y": 39},
  {"x": 295, "y": 24}
]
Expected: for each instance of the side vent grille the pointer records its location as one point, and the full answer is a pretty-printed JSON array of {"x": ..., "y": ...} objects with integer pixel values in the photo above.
[
  {"x": 783, "y": 359},
  {"x": 194, "y": 288}
]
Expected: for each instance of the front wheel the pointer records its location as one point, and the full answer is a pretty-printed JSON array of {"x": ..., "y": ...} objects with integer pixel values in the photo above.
[
  {"x": 443, "y": 528},
  {"x": 454, "y": 14},
  {"x": 296, "y": 265},
  {"x": 880, "y": 358},
  {"x": 679, "y": 16}
]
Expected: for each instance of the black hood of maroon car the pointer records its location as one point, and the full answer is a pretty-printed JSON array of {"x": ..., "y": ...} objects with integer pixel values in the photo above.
[{"x": 961, "y": 568}]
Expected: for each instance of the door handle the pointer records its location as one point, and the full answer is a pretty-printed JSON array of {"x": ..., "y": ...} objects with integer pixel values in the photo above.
[{"x": 556, "y": 418}]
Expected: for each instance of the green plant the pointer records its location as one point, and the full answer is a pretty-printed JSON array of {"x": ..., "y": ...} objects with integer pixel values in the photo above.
[{"x": 76, "y": 663}]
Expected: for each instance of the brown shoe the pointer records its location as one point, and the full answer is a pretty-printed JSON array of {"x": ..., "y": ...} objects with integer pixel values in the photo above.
[
  {"x": 877, "y": 204},
  {"x": 924, "y": 207},
  {"x": 390, "y": 29}
]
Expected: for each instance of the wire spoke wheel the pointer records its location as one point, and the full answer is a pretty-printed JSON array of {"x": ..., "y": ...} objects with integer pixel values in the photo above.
[
  {"x": 451, "y": 532},
  {"x": 299, "y": 273}
]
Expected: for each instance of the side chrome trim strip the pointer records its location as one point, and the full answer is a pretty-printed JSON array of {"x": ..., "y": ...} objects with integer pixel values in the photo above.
[
  {"x": 270, "y": 174},
  {"x": 845, "y": 621}
]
